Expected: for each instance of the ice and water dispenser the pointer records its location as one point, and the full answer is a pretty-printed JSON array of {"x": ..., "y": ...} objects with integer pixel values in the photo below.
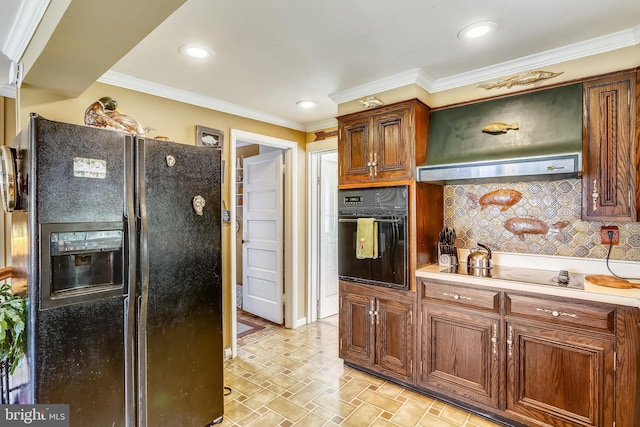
[{"x": 81, "y": 262}]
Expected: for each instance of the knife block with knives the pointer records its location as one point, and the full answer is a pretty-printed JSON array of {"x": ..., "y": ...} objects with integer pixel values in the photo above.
[{"x": 447, "y": 250}]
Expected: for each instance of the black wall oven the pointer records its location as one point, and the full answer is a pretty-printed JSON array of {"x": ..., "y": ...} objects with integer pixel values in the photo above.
[{"x": 389, "y": 208}]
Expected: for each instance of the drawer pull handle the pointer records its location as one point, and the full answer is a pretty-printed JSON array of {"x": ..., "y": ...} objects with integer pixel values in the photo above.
[
  {"x": 555, "y": 313},
  {"x": 456, "y": 296}
]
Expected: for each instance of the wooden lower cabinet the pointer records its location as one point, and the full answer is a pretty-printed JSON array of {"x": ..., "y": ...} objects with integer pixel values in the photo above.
[
  {"x": 523, "y": 358},
  {"x": 559, "y": 378},
  {"x": 534, "y": 359},
  {"x": 376, "y": 329},
  {"x": 460, "y": 354}
]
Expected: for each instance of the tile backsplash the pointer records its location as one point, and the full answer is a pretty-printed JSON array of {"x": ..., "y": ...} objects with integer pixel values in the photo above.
[{"x": 551, "y": 202}]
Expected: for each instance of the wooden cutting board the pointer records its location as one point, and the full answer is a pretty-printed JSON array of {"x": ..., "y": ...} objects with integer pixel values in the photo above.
[{"x": 611, "y": 281}]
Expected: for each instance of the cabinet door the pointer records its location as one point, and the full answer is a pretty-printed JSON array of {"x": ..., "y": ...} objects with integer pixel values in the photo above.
[
  {"x": 392, "y": 144},
  {"x": 559, "y": 378},
  {"x": 608, "y": 191},
  {"x": 460, "y": 354},
  {"x": 394, "y": 337},
  {"x": 355, "y": 150},
  {"x": 357, "y": 328}
]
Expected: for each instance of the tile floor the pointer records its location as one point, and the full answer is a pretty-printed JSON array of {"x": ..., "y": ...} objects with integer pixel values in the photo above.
[{"x": 290, "y": 377}]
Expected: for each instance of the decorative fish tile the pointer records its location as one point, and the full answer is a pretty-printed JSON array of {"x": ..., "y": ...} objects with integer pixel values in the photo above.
[{"x": 548, "y": 201}]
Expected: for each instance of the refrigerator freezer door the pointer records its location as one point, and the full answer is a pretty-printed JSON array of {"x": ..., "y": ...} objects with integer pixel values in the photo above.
[
  {"x": 80, "y": 173},
  {"x": 180, "y": 326},
  {"x": 76, "y": 350}
]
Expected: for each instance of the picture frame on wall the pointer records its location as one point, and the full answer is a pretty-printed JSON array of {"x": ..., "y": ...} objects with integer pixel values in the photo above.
[{"x": 209, "y": 137}]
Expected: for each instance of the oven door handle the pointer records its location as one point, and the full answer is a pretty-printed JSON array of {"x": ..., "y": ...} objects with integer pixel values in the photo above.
[{"x": 392, "y": 221}]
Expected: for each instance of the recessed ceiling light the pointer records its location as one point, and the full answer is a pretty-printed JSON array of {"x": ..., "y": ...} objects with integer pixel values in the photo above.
[
  {"x": 307, "y": 103},
  {"x": 476, "y": 30},
  {"x": 194, "y": 51}
]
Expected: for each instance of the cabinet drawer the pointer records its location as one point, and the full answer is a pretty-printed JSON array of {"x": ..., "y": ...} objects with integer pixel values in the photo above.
[
  {"x": 570, "y": 313},
  {"x": 482, "y": 299}
]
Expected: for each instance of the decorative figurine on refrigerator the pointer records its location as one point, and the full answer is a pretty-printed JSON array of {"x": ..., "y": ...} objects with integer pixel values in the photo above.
[{"x": 104, "y": 113}]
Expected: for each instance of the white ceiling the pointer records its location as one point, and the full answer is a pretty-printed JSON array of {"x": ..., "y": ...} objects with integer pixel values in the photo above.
[
  {"x": 271, "y": 53},
  {"x": 8, "y": 14}
]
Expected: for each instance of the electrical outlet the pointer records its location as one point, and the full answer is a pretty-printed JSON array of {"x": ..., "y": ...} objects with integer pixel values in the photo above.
[{"x": 604, "y": 234}]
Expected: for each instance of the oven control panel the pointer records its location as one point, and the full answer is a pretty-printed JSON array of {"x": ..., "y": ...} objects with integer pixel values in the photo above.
[
  {"x": 352, "y": 200},
  {"x": 371, "y": 200}
]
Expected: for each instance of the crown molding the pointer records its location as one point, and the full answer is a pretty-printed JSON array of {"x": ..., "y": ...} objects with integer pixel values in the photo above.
[
  {"x": 127, "y": 82},
  {"x": 8, "y": 91},
  {"x": 324, "y": 124},
  {"x": 618, "y": 40},
  {"x": 610, "y": 42},
  {"x": 24, "y": 27},
  {"x": 377, "y": 86}
]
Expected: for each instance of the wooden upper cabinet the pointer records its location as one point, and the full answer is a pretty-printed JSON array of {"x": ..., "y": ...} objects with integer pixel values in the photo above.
[
  {"x": 355, "y": 149},
  {"x": 391, "y": 144},
  {"x": 610, "y": 177},
  {"x": 383, "y": 144}
]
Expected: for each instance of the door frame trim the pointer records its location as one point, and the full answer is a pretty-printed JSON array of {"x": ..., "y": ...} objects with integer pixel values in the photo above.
[
  {"x": 313, "y": 149},
  {"x": 291, "y": 211}
]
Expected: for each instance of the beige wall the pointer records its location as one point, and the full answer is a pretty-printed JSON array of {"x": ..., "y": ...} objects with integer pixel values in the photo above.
[
  {"x": 177, "y": 121},
  {"x": 7, "y": 133}
]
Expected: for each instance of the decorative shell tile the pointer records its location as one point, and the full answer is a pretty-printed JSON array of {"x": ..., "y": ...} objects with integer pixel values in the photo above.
[{"x": 550, "y": 202}]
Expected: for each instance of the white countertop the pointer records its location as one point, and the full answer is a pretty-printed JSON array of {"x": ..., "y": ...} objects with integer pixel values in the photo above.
[{"x": 584, "y": 266}]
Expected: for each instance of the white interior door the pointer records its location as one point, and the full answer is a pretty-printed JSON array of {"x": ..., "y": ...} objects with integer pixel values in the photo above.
[
  {"x": 262, "y": 238},
  {"x": 328, "y": 236}
]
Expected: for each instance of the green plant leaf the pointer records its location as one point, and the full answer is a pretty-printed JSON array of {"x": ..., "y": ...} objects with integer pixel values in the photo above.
[{"x": 13, "y": 313}]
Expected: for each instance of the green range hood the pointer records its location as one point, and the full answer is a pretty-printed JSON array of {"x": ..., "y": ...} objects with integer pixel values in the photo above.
[{"x": 532, "y": 136}]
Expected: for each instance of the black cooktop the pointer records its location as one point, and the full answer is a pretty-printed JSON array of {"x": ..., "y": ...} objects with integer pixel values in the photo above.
[{"x": 560, "y": 278}]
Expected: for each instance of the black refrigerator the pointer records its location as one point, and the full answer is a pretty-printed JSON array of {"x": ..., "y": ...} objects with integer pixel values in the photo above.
[{"x": 117, "y": 240}]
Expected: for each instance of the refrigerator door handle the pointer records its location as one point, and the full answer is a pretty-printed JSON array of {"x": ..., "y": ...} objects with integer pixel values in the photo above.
[
  {"x": 142, "y": 282},
  {"x": 129, "y": 344},
  {"x": 130, "y": 302},
  {"x": 142, "y": 361}
]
